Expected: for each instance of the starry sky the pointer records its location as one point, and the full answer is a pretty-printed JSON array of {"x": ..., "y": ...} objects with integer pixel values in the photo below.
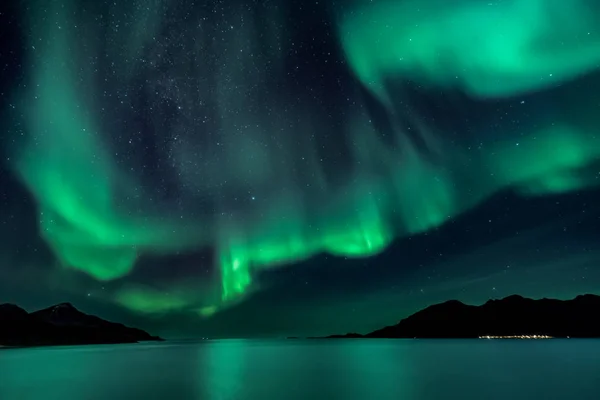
[{"x": 245, "y": 168}]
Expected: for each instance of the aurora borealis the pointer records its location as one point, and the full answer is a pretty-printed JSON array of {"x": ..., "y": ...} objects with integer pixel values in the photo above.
[{"x": 188, "y": 165}]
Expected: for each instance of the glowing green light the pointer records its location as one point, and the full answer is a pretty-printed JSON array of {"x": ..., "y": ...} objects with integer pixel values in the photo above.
[
  {"x": 494, "y": 49},
  {"x": 150, "y": 301},
  {"x": 96, "y": 217}
]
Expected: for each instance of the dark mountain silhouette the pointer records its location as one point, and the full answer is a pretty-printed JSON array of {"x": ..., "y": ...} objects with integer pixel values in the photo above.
[
  {"x": 346, "y": 336},
  {"x": 511, "y": 316},
  {"x": 62, "y": 324}
]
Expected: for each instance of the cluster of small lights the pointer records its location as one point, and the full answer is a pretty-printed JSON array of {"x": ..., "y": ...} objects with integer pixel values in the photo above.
[{"x": 517, "y": 337}]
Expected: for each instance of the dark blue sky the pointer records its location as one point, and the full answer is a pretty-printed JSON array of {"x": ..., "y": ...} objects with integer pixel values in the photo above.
[{"x": 212, "y": 138}]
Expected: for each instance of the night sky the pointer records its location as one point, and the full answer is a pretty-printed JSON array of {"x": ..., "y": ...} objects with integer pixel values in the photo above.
[{"x": 243, "y": 168}]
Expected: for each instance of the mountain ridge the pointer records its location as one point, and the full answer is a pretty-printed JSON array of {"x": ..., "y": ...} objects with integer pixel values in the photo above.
[
  {"x": 62, "y": 324},
  {"x": 512, "y": 316}
]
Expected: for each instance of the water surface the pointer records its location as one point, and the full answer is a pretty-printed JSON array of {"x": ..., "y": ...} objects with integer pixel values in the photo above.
[{"x": 311, "y": 369}]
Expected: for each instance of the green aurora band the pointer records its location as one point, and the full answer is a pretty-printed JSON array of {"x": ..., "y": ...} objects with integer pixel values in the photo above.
[
  {"x": 490, "y": 49},
  {"x": 99, "y": 218}
]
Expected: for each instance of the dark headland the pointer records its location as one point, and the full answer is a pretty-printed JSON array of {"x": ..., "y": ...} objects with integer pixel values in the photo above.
[
  {"x": 62, "y": 324},
  {"x": 511, "y": 317}
]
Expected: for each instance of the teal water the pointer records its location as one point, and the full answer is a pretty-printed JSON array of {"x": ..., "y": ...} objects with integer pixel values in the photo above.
[{"x": 312, "y": 369}]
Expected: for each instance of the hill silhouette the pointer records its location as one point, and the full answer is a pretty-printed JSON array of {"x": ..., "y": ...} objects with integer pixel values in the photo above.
[
  {"x": 511, "y": 316},
  {"x": 62, "y": 324}
]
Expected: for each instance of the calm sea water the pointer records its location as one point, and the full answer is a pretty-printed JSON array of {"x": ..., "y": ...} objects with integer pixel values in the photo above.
[{"x": 312, "y": 369}]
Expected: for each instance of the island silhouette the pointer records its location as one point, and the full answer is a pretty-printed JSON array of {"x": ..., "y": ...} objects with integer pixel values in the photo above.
[
  {"x": 62, "y": 324},
  {"x": 511, "y": 317}
]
